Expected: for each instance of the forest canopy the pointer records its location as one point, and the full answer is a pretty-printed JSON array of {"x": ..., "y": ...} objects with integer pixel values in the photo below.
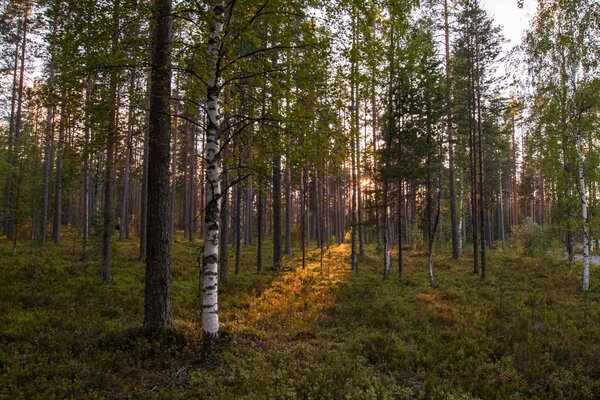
[{"x": 220, "y": 147}]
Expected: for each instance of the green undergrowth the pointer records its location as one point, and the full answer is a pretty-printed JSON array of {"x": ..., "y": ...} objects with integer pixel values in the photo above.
[{"x": 321, "y": 333}]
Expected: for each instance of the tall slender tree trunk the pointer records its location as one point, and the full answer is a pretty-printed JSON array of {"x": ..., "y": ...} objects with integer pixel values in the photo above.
[
  {"x": 46, "y": 182},
  {"x": 260, "y": 226},
  {"x": 238, "y": 219},
  {"x": 224, "y": 234},
  {"x": 515, "y": 199},
  {"x": 111, "y": 144},
  {"x": 473, "y": 176},
  {"x": 501, "y": 210},
  {"x": 58, "y": 188},
  {"x": 400, "y": 229},
  {"x": 124, "y": 211},
  {"x": 277, "y": 234},
  {"x": 144, "y": 196},
  {"x": 210, "y": 307},
  {"x": 581, "y": 180},
  {"x": 173, "y": 188},
  {"x": 7, "y": 222},
  {"x": 249, "y": 207},
  {"x": 157, "y": 302},
  {"x": 16, "y": 139},
  {"x": 304, "y": 183},
  {"x": 87, "y": 184},
  {"x": 288, "y": 207},
  {"x": 456, "y": 250},
  {"x": 482, "y": 205}
]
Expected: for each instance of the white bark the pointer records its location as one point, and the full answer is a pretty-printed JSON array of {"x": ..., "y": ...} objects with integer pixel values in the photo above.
[
  {"x": 581, "y": 175},
  {"x": 584, "y": 214},
  {"x": 210, "y": 307}
]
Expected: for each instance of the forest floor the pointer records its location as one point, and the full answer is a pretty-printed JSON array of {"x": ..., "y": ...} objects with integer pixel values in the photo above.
[{"x": 320, "y": 333}]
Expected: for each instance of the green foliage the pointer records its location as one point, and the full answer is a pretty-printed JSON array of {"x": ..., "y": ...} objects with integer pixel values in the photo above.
[
  {"x": 314, "y": 334},
  {"x": 533, "y": 240}
]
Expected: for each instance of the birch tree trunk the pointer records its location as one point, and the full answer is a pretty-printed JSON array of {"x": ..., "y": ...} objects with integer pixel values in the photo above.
[
  {"x": 210, "y": 307},
  {"x": 581, "y": 179}
]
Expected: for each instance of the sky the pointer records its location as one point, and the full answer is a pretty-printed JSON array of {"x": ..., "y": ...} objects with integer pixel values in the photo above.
[{"x": 512, "y": 19}]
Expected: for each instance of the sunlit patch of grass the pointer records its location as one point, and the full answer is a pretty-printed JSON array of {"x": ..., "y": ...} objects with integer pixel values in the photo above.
[
  {"x": 320, "y": 333},
  {"x": 298, "y": 298}
]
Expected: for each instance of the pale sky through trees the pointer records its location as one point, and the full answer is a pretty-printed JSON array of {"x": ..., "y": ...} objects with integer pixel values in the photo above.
[{"x": 512, "y": 19}]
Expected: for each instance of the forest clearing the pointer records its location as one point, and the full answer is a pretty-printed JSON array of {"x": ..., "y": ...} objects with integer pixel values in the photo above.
[
  {"x": 315, "y": 333},
  {"x": 300, "y": 199}
]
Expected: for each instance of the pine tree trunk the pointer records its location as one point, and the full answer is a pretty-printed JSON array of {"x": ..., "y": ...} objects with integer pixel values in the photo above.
[
  {"x": 288, "y": 208},
  {"x": 482, "y": 205},
  {"x": 144, "y": 194},
  {"x": 87, "y": 174},
  {"x": 456, "y": 250},
  {"x": 57, "y": 222},
  {"x": 249, "y": 207},
  {"x": 224, "y": 234},
  {"x": 303, "y": 190},
  {"x": 16, "y": 139},
  {"x": 238, "y": 220},
  {"x": 157, "y": 305},
  {"x": 277, "y": 234},
  {"x": 46, "y": 182},
  {"x": 473, "y": 176},
  {"x": 124, "y": 211},
  {"x": 173, "y": 188},
  {"x": 111, "y": 144},
  {"x": 7, "y": 222},
  {"x": 260, "y": 226}
]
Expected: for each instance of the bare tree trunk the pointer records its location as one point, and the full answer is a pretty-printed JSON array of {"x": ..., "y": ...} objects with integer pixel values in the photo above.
[
  {"x": 303, "y": 190},
  {"x": 57, "y": 222},
  {"x": 47, "y": 162},
  {"x": 87, "y": 174},
  {"x": 8, "y": 224},
  {"x": 277, "y": 208},
  {"x": 501, "y": 211},
  {"x": 249, "y": 207},
  {"x": 124, "y": 211},
  {"x": 157, "y": 304},
  {"x": 260, "y": 227},
  {"x": 473, "y": 176},
  {"x": 238, "y": 219},
  {"x": 173, "y": 188},
  {"x": 16, "y": 139},
  {"x": 210, "y": 316},
  {"x": 111, "y": 144},
  {"x": 288, "y": 208},
  {"x": 224, "y": 254},
  {"x": 144, "y": 195},
  {"x": 456, "y": 250},
  {"x": 482, "y": 206}
]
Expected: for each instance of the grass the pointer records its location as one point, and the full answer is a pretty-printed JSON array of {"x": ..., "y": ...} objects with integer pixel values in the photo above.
[{"x": 320, "y": 333}]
